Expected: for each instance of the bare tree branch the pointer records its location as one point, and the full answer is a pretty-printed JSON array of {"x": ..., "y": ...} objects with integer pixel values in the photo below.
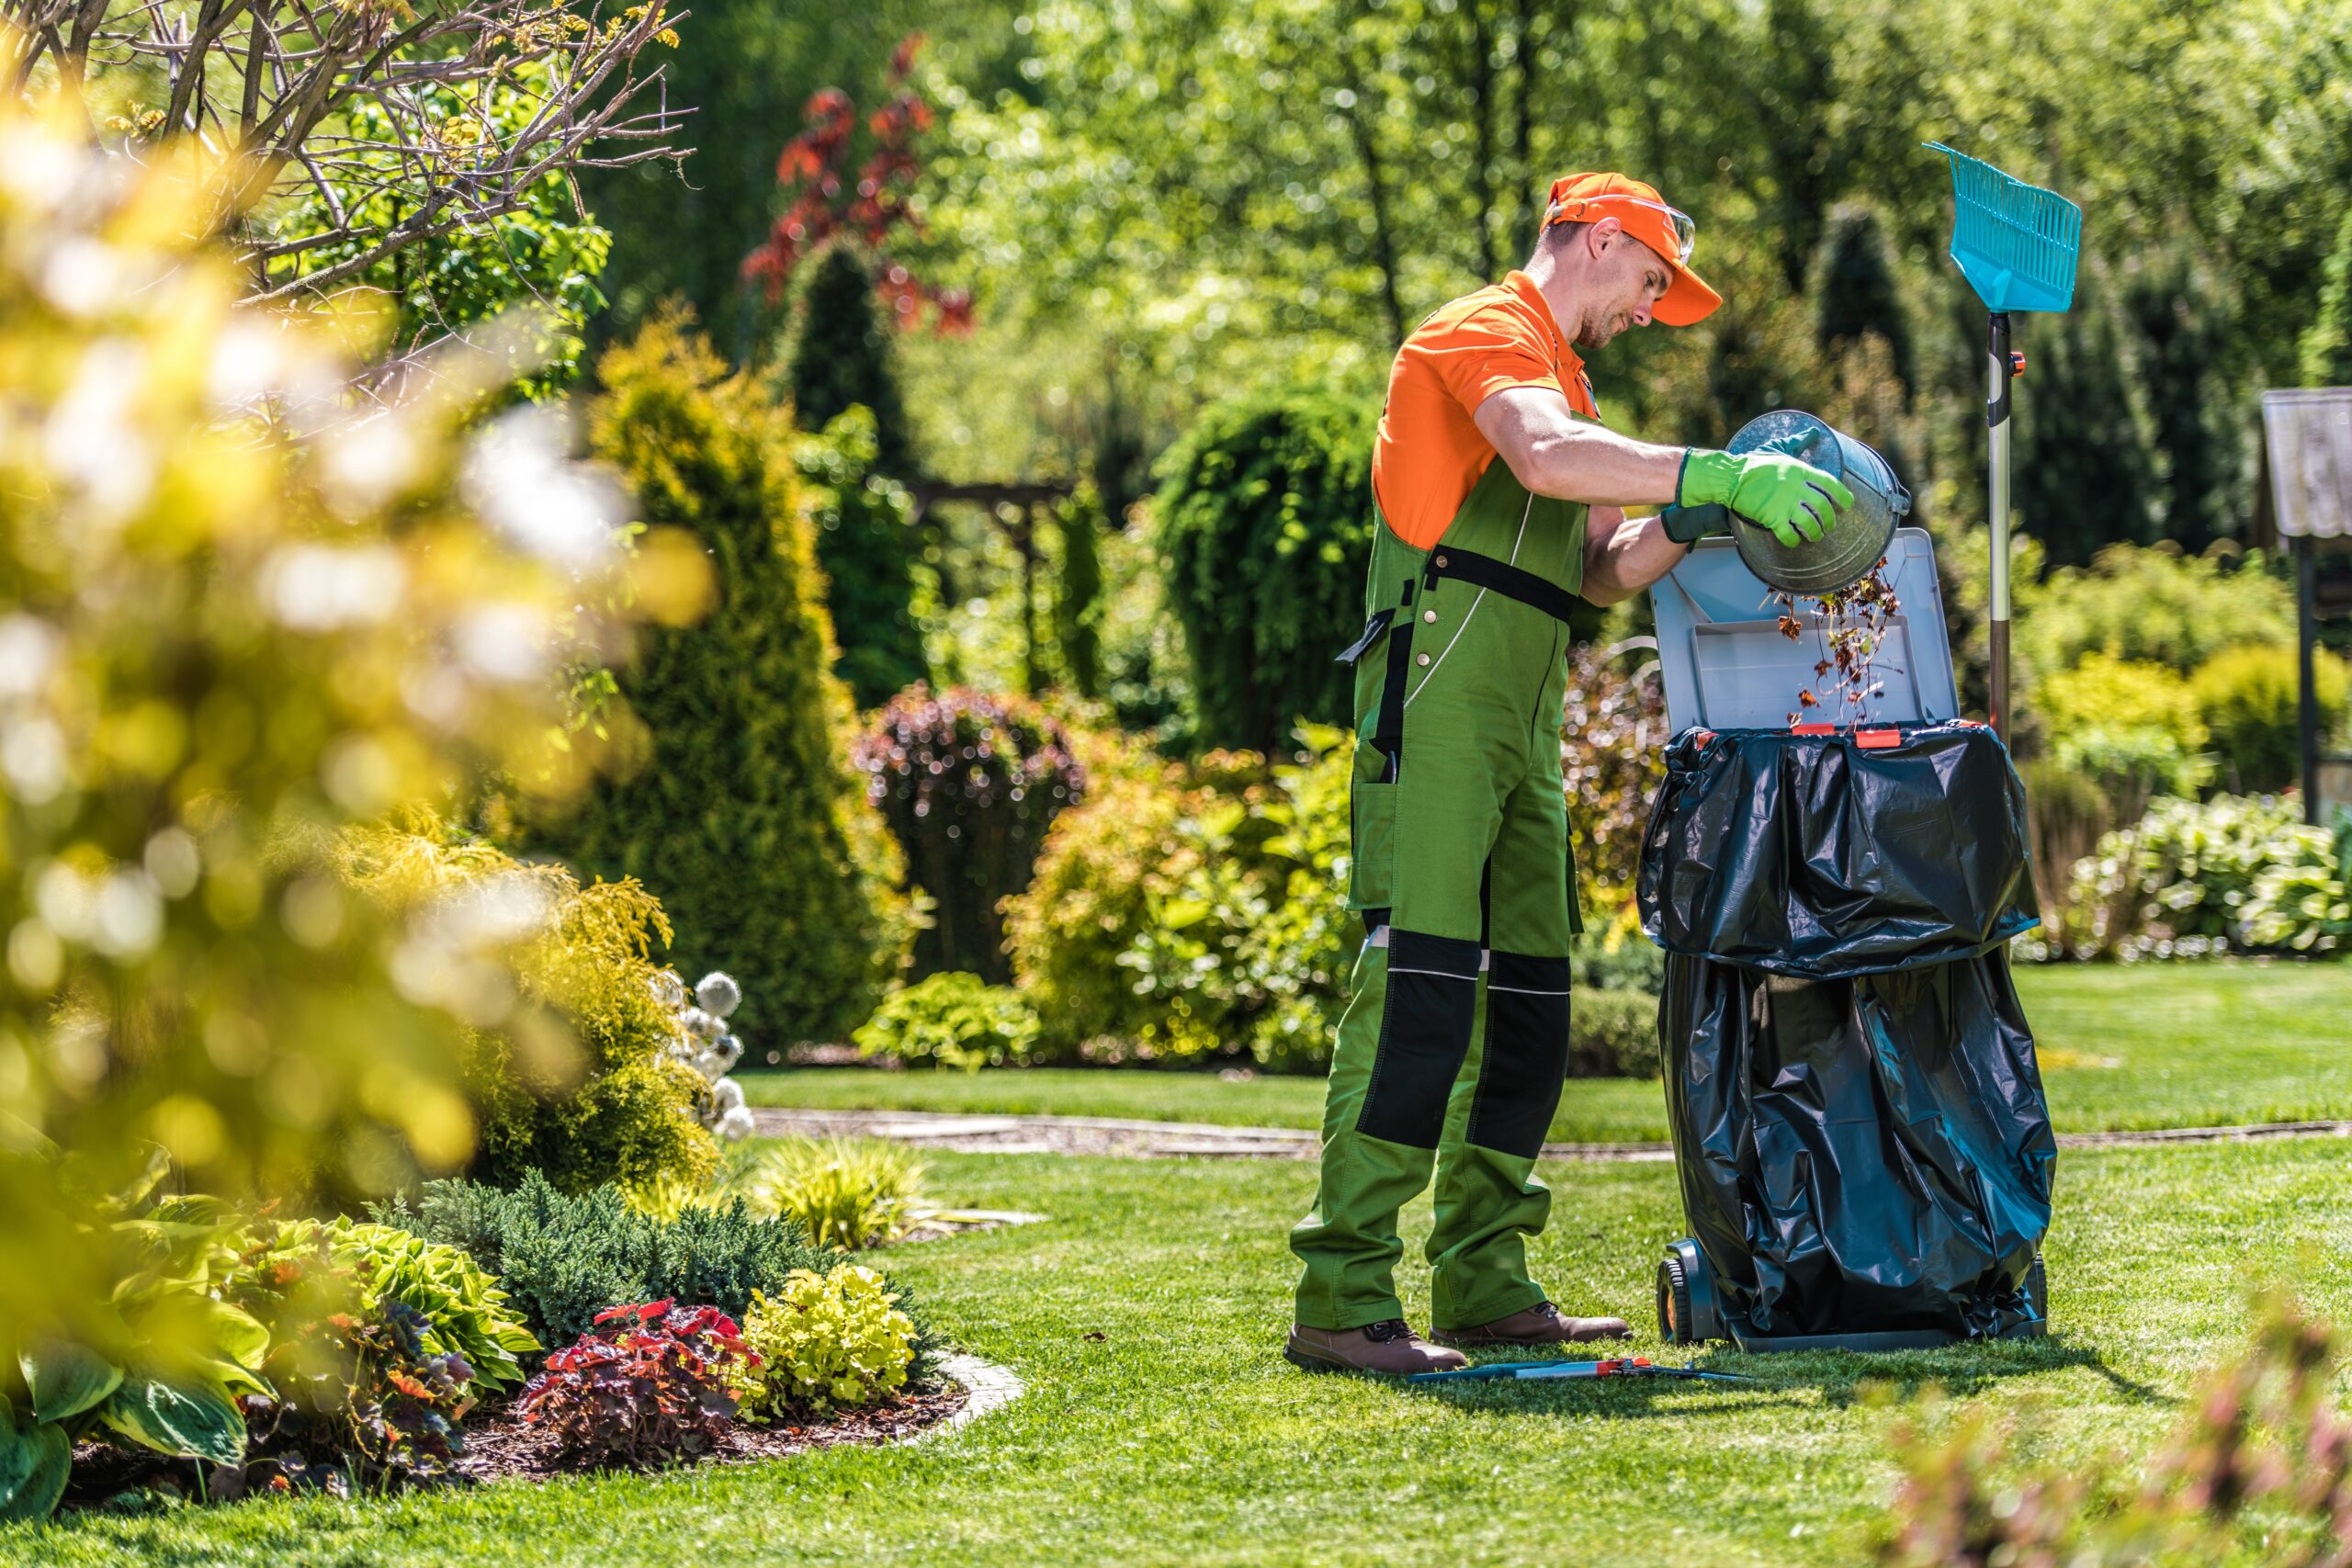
[{"x": 332, "y": 109}]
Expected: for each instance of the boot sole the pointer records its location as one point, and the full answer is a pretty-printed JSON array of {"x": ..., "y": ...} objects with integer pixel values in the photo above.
[{"x": 1306, "y": 1361}]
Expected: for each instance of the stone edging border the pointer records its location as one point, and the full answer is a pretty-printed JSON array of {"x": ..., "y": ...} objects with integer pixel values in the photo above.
[{"x": 986, "y": 1387}]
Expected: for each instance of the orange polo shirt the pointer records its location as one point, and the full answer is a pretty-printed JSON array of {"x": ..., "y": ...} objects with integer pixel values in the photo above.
[{"x": 1429, "y": 453}]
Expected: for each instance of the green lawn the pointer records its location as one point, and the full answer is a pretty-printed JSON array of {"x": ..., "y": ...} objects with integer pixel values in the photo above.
[
  {"x": 1161, "y": 1427},
  {"x": 2148, "y": 1045}
]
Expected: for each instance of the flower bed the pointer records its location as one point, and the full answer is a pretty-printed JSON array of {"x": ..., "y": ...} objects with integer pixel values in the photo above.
[{"x": 372, "y": 1357}]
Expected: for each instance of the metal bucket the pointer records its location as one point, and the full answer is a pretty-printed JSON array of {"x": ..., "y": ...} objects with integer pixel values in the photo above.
[{"x": 1845, "y": 555}]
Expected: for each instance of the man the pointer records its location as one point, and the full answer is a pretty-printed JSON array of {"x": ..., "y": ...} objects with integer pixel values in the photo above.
[{"x": 1454, "y": 1042}]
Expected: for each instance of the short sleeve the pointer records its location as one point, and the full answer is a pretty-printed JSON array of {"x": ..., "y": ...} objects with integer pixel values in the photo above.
[{"x": 1491, "y": 349}]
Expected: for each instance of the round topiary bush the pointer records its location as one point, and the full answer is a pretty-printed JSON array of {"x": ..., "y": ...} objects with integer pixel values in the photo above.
[
  {"x": 969, "y": 781},
  {"x": 1265, "y": 519}
]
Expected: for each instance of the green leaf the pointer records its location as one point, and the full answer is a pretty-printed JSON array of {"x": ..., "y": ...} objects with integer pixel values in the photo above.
[
  {"x": 237, "y": 1334},
  {"x": 67, "y": 1380},
  {"x": 187, "y": 1416},
  {"x": 33, "y": 1466}
]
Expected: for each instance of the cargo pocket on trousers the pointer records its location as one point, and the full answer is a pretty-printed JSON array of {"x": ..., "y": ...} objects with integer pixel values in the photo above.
[{"x": 1372, "y": 846}]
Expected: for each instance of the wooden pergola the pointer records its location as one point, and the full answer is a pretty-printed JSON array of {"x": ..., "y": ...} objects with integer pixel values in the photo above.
[
  {"x": 2307, "y": 509},
  {"x": 1013, "y": 508}
]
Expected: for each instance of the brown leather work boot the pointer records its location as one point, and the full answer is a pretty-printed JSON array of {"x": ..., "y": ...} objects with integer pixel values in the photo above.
[
  {"x": 1539, "y": 1325},
  {"x": 1391, "y": 1349}
]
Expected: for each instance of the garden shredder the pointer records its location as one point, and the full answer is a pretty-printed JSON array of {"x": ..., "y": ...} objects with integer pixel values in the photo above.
[
  {"x": 1861, "y": 1137},
  {"x": 2016, "y": 244}
]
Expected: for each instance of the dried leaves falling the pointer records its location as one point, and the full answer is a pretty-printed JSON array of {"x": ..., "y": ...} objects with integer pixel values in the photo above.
[{"x": 1852, "y": 626}]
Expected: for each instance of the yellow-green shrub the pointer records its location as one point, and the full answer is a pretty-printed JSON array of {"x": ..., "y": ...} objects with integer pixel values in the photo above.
[
  {"x": 582, "y": 1088},
  {"x": 825, "y": 1341},
  {"x": 739, "y": 806},
  {"x": 2250, "y": 699},
  {"x": 2130, "y": 725},
  {"x": 1104, "y": 863},
  {"x": 952, "y": 1020}
]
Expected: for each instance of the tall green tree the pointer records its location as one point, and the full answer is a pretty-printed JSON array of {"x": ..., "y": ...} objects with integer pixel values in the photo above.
[
  {"x": 1078, "y": 599},
  {"x": 1265, "y": 520},
  {"x": 841, "y": 356},
  {"x": 2325, "y": 352},
  {"x": 742, "y": 813},
  {"x": 866, "y": 542},
  {"x": 2084, "y": 474},
  {"x": 1854, "y": 292},
  {"x": 2185, "y": 356}
]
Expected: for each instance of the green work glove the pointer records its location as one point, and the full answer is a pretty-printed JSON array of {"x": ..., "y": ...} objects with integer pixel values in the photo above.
[
  {"x": 1689, "y": 525},
  {"x": 1769, "y": 486}
]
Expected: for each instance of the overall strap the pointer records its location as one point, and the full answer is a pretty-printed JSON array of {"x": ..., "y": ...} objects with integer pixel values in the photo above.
[
  {"x": 1388, "y": 730},
  {"x": 1500, "y": 577}
]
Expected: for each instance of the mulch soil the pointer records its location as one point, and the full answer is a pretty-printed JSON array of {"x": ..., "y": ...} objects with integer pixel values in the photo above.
[{"x": 499, "y": 1446}]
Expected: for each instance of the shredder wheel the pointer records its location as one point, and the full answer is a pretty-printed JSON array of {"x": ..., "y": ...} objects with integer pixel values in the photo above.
[
  {"x": 1674, "y": 1322},
  {"x": 2037, "y": 1288}
]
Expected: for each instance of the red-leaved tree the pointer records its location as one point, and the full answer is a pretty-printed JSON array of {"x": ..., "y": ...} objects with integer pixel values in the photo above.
[{"x": 825, "y": 204}]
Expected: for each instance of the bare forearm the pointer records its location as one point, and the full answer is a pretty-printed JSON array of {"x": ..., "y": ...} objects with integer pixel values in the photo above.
[
  {"x": 1576, "y": 461},
  {"x": 1624, "y": 555}
]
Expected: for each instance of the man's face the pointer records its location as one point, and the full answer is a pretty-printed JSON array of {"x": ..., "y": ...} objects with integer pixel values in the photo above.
[{"x": 1632, "y": 278}]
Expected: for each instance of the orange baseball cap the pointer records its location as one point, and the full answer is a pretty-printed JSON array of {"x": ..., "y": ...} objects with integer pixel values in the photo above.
[{"x": 1588, "y": 198}]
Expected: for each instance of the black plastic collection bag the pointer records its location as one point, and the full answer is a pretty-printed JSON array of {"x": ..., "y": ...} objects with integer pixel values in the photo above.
[{"x": 1858, "y": 1118}]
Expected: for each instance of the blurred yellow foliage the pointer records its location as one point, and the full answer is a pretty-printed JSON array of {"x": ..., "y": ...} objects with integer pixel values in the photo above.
[{"x": 242, "y": 607}]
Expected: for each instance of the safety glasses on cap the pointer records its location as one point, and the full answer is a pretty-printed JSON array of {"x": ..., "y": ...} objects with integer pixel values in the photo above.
[{"x": 1686, "y": 233}]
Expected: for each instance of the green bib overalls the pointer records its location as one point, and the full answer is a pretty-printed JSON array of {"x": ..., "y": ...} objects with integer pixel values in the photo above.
[{"x": 1455, "y": 1038}]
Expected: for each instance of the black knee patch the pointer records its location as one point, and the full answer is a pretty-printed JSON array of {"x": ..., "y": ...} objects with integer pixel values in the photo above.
[
  {"x": 1424, "y": 1035},
  {"x": 1526, "y": 1057}
]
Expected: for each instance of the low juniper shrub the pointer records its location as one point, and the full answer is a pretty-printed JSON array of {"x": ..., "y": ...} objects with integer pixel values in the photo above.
[
  {"x": 647, "y": 1385},
  {"x": 564, "y": 1259}
]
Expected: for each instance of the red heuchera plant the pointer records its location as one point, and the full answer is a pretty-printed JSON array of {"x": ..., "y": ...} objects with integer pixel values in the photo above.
[
  {"x": 646, "y": 1386},
  {"x": 821, "y": 206}
]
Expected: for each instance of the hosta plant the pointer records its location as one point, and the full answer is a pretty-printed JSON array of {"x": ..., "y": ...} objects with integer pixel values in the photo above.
[
  {"x": 461, "y": 1310},
  {"x": 647, "y": 1385},
  {"x": 162, "y": 1363},
  {"x": 824, "y": 1342}
]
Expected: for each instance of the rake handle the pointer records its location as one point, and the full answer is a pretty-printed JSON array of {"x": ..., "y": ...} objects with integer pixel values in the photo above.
[{"x": 2002, "y": 370}]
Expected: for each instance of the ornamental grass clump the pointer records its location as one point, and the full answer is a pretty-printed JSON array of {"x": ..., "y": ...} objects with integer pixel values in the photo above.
[
  {"x": 840, "y": 1191},
  {"x": 647, "y": 1385},
  {"x": 825, "y": 1342}
]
